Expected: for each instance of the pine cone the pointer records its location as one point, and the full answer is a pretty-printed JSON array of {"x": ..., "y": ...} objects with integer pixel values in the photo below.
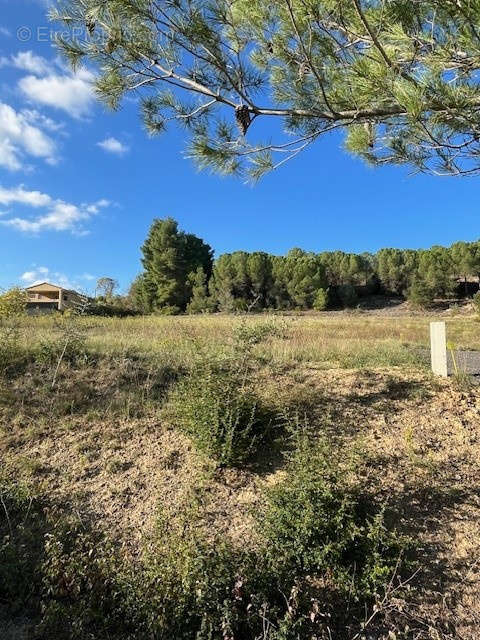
[
  {"x": 90, "y": 24},
  {"x": 242, "y": 116},
  {"x": 110, "y": 46},
  {"x": 368, "y": 126}
]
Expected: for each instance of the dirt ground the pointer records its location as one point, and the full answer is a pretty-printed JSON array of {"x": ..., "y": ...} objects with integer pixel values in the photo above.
[
  {"x": 420, "y": 455},
  {"x": 95, "y": 443}
]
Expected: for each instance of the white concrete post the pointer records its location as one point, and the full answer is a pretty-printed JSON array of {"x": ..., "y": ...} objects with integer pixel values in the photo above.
[{"x": 438, "y": 348}]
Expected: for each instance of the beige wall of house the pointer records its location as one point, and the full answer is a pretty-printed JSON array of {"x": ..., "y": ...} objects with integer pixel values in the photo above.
[{"x": 48, "y": 294}]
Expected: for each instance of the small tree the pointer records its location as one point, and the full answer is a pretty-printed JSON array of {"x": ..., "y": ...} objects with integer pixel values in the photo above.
[
  {"x": 13, "y": 302},
  {"x": 106, "y": 286},
  {"x": 321, "y": 300},
  {"x": 200, "y": 301},
  {"x": 420, "y": 295}
]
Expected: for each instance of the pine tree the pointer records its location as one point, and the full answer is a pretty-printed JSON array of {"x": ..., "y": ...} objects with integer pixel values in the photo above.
[
  {"x": 169, "y": 257},
  {"x": 304, "y": 275},
  {"x": 200, "y": 301},
  {"x": 222, "y": 283},
  {"x": 420, "y": 295},
  {"x": 401, "y": 78},
  {"x": 321, "y": 300}
]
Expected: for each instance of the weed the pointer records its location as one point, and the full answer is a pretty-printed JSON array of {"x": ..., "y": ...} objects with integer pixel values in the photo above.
[
  {"x": 462, "y": 381},
  {"x": 316, "y": 524},
  {"x": 214, "y": 406}
]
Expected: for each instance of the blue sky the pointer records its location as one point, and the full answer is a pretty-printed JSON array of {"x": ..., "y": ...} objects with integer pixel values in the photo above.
[{"x": 80, "y": 186}]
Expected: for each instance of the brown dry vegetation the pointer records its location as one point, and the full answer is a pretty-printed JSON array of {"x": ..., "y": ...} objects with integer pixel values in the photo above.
[{"x": 96, "y": 446}]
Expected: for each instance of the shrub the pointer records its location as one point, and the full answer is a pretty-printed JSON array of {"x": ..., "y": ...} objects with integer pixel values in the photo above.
[
  {"x": 322, "y": 555},
  {"x": 419, "y": 294},
  {"x": 246, "y": 336},
  {"x": 321, "y": 300},
  {"x": 216, "y": 405},
  {"x": 21, "y": 549},
  {"x": 316, "y": 525},
  {"x": 13, "y": 302},
  {"x": 169, "y": 310},
  {"x": 11, "y": 353},
  {"x": 216, "y": 409},
  {"x": 85, "y": 588}
]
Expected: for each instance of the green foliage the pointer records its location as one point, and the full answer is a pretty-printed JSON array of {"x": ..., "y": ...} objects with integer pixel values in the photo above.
[
  {"x": 216, "y": 404},
  {"x": 347, "y": 295},
  {"x": 420, "y": 295},
  {"x": 315, "y": 524},
  {"x": 200, "y": 301},
  {"x": 169, "y": 257},
  {"x": 396, "y": 269},
  {"x": 260, "y": 280},
  {"x": 21, "y": 549},
  {"x": 321, "y": 300},
  {"x": 242, "y": 281},
  {"x": 436, "y": 268},
  {"x": 215, "y": 407},
  {"x": 377, "y": 70},
  {"x": 84, "y": 583},
  {"x": 11, "y": 353},
  {"x": 13, "y": 303},
  {"x": 323, "y": 552}
]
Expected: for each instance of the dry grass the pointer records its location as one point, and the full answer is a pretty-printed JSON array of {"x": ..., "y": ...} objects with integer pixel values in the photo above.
[
  {"x": 96, "y": 444},
  {"x": 347, "y": 340}
]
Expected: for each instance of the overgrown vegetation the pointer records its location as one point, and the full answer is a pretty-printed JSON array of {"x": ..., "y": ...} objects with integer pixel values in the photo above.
[
  {"x": 12, "y": 306},
  {"x": 217, "y": 405},
  {"x": 318, "y": 546},
  {"x": 311, "y": 541}
]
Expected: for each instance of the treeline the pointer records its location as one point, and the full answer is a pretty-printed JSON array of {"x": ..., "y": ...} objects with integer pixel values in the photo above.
[{"x": 180, "y": 275}]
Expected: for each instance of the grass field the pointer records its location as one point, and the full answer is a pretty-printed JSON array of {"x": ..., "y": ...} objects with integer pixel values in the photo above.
[
  {"x": 347, "y": 340},
  {"x": 106, "y": 439}
]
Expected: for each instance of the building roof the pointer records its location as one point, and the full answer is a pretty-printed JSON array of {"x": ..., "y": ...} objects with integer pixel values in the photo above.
[{"x": 49, "y": 284}]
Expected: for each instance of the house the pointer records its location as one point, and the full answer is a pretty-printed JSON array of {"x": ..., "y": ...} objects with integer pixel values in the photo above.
[{"x": 46, "y": 298}]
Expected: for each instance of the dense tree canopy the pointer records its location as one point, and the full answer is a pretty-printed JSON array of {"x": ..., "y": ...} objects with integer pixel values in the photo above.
[
  {"x": 170, "y": 259},
  {"x": 400, "y": 77},
  {"x": 179, "y": 275}
]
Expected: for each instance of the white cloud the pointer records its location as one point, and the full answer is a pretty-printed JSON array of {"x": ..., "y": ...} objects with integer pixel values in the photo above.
[
  {"x": 20, "y": 196},
  {"x": 112, "y": 145},
  {"x": 36, "y": 118},
  {"x": 34, "y": 277},
  {"x": 18, "y": 137},
  {"x": 5, "y": 32},
  {"x": 28, "y": 61},
  {"x": 56, "y": 215},
  {"x": 72, "y": 93}
]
